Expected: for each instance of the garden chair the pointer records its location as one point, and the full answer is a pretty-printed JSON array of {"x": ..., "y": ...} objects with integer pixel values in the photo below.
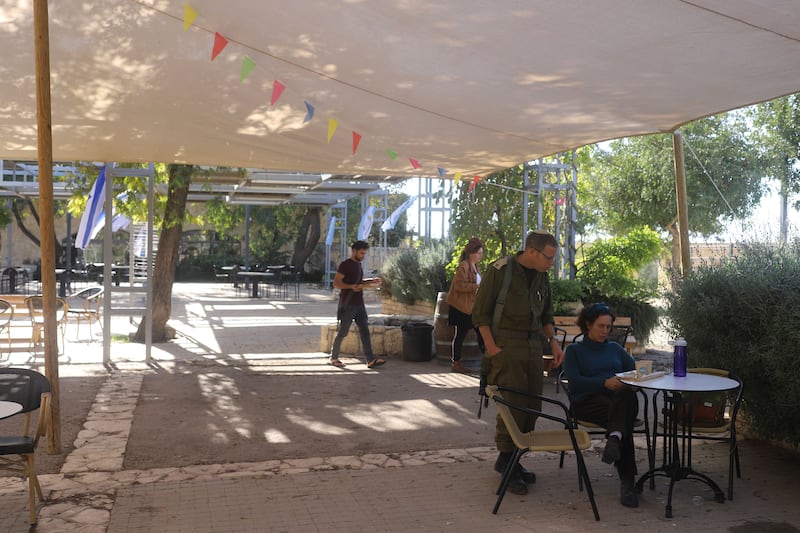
[
  {"x": 553, "y": 440},
  {"x": 18, "y": 453}
]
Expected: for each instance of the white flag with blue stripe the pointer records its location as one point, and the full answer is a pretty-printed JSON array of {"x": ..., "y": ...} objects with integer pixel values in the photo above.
[
  {"x": 93, "y": 216},
  {"x": 391, "y": 222}
]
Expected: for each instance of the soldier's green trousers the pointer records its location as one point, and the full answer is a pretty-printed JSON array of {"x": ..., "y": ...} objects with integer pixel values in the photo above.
[{"x": 519, "y": 365}]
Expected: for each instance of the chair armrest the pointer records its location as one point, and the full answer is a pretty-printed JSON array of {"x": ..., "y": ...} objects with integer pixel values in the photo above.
[{"x": 493, "y": 390}]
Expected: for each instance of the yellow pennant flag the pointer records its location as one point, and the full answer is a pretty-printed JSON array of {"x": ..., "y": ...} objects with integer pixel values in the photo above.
[
  {"x": 189, "y": 14},
  {"x": 332, "y": 125},
  {"x": 457, "y": 178}
]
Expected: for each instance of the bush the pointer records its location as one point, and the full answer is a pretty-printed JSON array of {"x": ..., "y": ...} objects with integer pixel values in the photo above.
[
  {"x": 742, "y": 316},
  {"x": 565, "y": 293},
  {"x": 417, "y": 274}
]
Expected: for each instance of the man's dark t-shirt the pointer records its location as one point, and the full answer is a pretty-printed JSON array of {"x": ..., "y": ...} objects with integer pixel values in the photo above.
[{"x": 353, "y": 275}]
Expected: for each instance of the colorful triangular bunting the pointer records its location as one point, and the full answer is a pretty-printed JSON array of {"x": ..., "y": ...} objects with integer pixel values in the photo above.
[
  {"x": 356, "y": 140},
  {"x": 277, "y": 91},
  {"x": 442, "y": 172},
  {"x": 309, "y": 111},
  {"x": 220, "y": 43},
  {"x": 332, "y": 125},
  {"x": 457, "y": 177},
  {"x": 392, "y": 154},
  {"x": 475, "y": 181},
  {"x": 247, "y": 67},
  {"x": 189, "y": 14},
  {"x": 414, "y": 163}
]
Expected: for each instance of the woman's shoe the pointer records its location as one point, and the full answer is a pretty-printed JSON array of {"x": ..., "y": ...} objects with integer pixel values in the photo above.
[{"x": 458, "y": 367}]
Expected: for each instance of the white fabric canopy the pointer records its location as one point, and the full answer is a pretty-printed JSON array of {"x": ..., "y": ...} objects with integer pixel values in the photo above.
[{"x": 464, "y": 86}]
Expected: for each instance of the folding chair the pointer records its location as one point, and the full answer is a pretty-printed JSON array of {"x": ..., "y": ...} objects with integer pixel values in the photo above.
[
  {"x": 17, "y": 453},
  {"x": 553, "y": 440}
]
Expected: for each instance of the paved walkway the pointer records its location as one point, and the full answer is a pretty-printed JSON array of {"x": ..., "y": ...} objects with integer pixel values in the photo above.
[{"x": 424, "y": 490}]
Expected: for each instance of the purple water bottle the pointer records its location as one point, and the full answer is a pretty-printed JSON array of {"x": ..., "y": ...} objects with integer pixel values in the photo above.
[{"x": 679, "y": 357}]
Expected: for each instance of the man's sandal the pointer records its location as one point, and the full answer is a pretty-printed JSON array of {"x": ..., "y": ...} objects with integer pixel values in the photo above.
[
  {"x": 336, "y": 363},
  {"x": 375, "y": 363}
]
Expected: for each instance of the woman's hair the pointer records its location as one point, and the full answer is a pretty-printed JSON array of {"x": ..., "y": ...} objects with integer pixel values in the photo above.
[
  {"x": 471, "y": 247},
  {"x": 590, "y": 313}
]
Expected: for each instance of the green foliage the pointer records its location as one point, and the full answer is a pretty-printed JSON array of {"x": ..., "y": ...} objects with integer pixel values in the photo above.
[
  {"x": 609, "y": 266},
  {"x": 417, "y": 274},
  {"x": 566, "y": 292},
  {"x": 742, "y": 316},
  {"x": 609, "y": 273},
  {"x": 633, "y": 183}
]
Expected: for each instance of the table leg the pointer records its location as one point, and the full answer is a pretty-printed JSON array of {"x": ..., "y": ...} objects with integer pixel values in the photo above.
[
  {"x": 674, "y": 466},
  {"x": 254, "y": 285}
]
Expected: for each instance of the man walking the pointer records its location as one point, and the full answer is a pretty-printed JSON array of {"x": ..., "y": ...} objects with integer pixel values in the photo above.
[
  {"x": 513, "y": 338},
  {"x": 350, "y": 281}
]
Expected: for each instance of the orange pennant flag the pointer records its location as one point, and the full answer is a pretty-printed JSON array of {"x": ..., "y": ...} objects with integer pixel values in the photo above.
[
  {"x": 475, "y": 181},
  {"x": 277, "y": 91},
  {"x": 414, "y": 163},
  {"x": 189, "y": 15},
  {"x": 356, "y": 140},
  {"x": 332, "y": 125},
  {"x": 457, "y": 177},
  {"x": 220, "y": 42}
]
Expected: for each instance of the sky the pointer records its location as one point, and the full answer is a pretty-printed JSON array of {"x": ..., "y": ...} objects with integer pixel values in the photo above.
[{"x": 762, "y": 225}]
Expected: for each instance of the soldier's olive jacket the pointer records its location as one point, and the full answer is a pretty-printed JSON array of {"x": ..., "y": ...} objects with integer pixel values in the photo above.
[{"x": 526, "y": 308}]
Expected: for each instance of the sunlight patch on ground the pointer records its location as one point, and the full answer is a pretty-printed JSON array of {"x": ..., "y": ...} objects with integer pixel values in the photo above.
[
  {"x": 221, "y": 393},
  {"x": 309, "y": 423},
  {"x": 275, "y": 436},
  {"x": 447, "y": 380},
  {"x": 400, "y": 416}
]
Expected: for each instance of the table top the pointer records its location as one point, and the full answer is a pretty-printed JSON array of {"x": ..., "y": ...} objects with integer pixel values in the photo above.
[
  {"x": 9, "y": 408},
  {"x": 257, "y": 274},
  {"x": 692, "y": 382}
]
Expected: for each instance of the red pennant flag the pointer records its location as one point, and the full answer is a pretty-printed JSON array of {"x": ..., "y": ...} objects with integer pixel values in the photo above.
[
  {"x": 277, "y": 91},
  {"x": 414, "y": 163},
  {"x": 220, "y": 42},
  {"x": 356, "y": 140},
  {"x": 475, "y": 181}
]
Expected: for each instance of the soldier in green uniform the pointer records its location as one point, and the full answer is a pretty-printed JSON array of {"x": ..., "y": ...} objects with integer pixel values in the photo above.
[{"x": 514, "y": 342}]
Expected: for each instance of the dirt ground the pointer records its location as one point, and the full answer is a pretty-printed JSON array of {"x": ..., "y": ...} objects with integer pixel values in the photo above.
[
  {"x": 76, "y": 397},
  {"x": 278, "y": 410}
]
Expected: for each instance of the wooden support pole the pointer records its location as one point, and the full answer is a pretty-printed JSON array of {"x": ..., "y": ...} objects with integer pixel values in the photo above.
[
  {"x": 683, "y": 209},
  {"x": 46, "y": 210}
]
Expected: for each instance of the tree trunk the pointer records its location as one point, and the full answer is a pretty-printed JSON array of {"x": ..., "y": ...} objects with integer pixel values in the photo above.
[
  {"x": 308, "y": 238},
  {"x": 676, "y": 266},
  {"x": 167, "y": 254},
  {"x": 17, "y": 212}
]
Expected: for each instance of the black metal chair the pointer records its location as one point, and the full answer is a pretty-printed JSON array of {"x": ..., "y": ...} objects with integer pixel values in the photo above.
[
  {"x": 6, "y": 316},
  {"x": 554, "y": 440},
  {"x": 31, "y": 390}
]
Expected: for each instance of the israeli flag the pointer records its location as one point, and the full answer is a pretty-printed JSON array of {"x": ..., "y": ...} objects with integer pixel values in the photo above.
[
  {"x": 94, "y": 217},
  {"x": 331, "y": 229},
  {"x": 366, "y": 223},
  {"x": 391, "y": 222},
  {"x": 94, "y": 214}
]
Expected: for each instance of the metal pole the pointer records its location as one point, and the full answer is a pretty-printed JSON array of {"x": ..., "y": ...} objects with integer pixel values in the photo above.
[{"x": 683, "y": 209}]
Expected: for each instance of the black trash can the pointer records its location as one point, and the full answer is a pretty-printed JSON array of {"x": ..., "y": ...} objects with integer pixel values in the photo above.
[{"x": 417, "y": 341}]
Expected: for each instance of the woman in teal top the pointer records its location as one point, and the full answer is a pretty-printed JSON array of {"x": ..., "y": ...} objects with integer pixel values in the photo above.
[{"x": 598, "y": 396}]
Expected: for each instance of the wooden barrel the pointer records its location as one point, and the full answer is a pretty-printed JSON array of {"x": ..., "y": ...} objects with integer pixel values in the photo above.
[{"x": 443, "y": 334}]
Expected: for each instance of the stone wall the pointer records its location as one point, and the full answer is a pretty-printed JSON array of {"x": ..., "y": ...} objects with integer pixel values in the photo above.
[
  {"x": 390, "y": 306},
  {"x": 386, "y": 334}
]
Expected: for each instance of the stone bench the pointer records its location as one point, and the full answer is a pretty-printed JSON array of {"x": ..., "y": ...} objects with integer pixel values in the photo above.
[{"x": 385, "y": 332}]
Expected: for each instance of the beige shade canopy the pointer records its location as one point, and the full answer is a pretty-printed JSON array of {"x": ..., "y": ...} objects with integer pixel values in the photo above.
[{"x": 463, "y": 85}]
